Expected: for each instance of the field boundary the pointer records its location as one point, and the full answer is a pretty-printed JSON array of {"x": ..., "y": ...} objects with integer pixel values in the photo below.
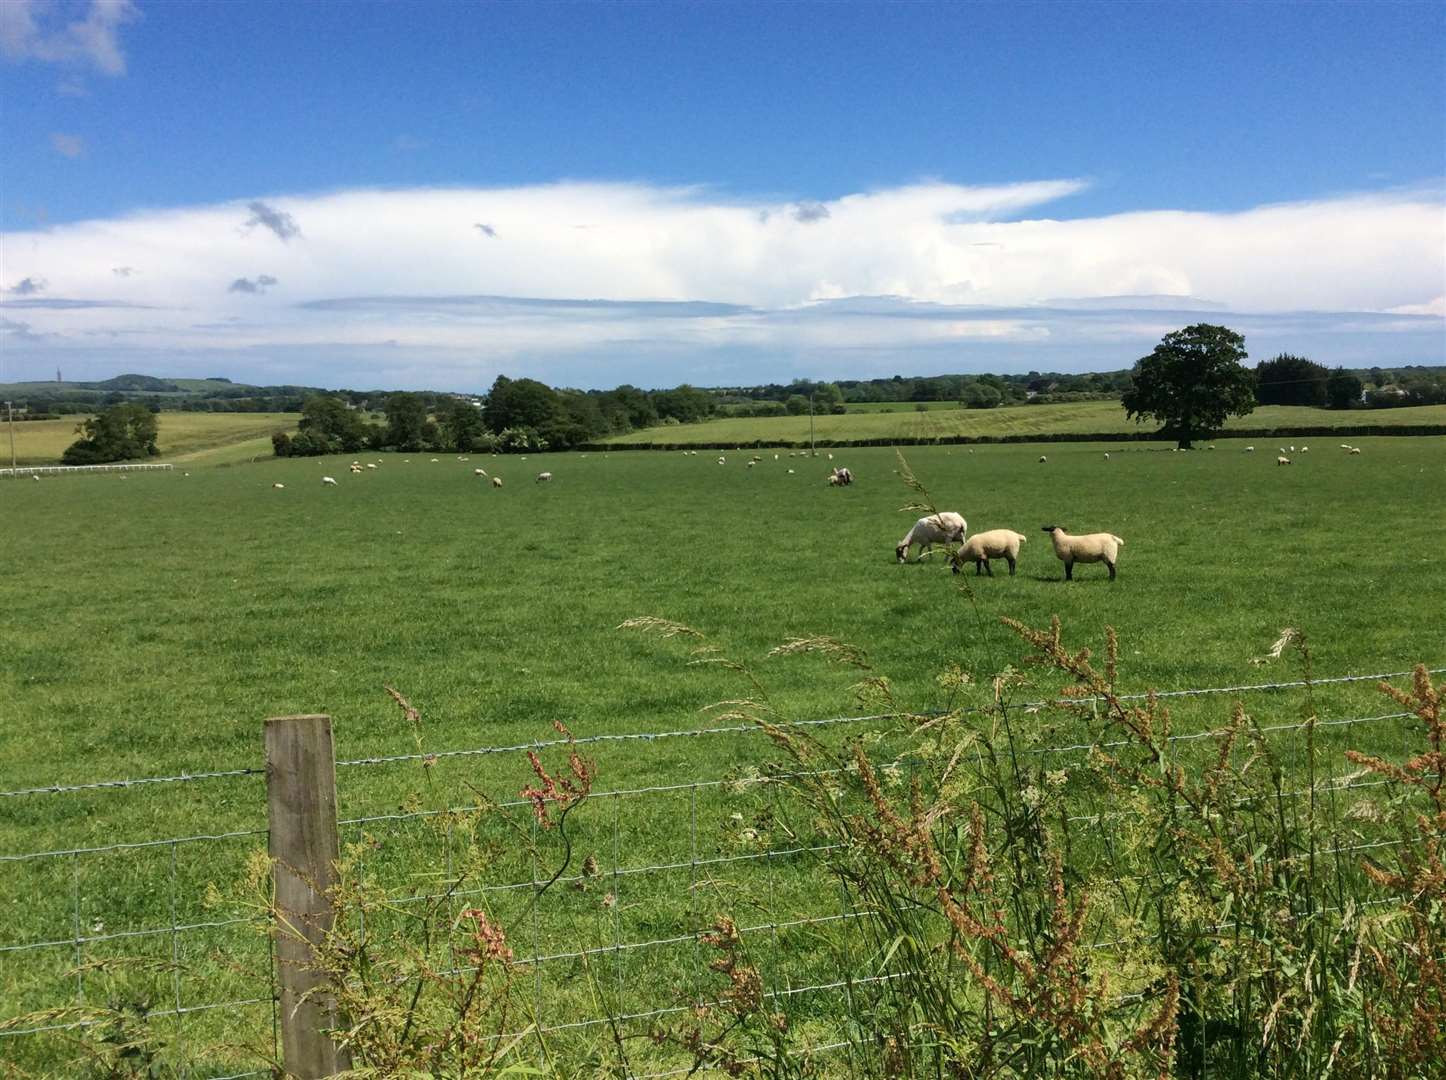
[
  {"x": 77, "y": 935},
  {"x": 1289, "y": 432},
  {"x": 67, "y": 470}
]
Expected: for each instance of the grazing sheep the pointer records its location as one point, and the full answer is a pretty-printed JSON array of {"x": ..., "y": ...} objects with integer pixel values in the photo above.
[
  {"x": 994, "y": 544},
  {"x": 790, "y": 472},
  {"x": 1345, "y": 446},
  {"x": 833, "y": 480},
  {"x": 830, "y": 457},
  {"x": 1093, "y": 547},
  {"x": 1282, "y": 460},
  {"x": 36, "y": 477},
  {"x": 1042, "y": 459},
  {"x": 1107, "y": 455},
  {"x": 497, "y": 481},
  {"x": 278, "y": 486},
  {"x": 722, "y": 461},
  {"x": 1305, "y": 449},
  {"x": 479, "y": 472},
  {"x": 1250, "y": 449},
  {"x": 945, "y": 527},
  {"x": 544, "y": 477},
  {"x": 775, "y": 457},
  {"x": 329, "y": 480},
  {"x": 1355, "y": 450},
  {"x": 370, "y": 466},
  {"x": 751, "y": 464}
]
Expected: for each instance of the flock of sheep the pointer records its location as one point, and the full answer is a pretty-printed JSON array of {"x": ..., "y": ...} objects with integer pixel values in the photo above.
[{"x": 947, "y": 527}]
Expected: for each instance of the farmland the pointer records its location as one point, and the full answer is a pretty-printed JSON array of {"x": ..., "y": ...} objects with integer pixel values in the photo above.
[
  {"x": 183, "y": 437},
  {"x": 152, "y": 624},
  {"x": 902, "y": 421}
]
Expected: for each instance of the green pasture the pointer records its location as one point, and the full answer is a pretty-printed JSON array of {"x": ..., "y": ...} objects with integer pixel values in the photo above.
[
  {"x": 1081, "y": 417},
  {"x": 150, "y": 624},
  {"x": 202, "y": 438}
]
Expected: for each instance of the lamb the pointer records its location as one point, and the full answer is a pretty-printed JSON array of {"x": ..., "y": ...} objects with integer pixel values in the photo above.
[
  {"x": 1093, "y": 547},
  {"x": 945, "y": 527},
  {"x": 1282, "y": 460},
  {"x": 994, "y": 544},
  {"x": 497, "y": 481},
  {"x": 544, "y": 477},
  {"x": 329, "y": 480}
]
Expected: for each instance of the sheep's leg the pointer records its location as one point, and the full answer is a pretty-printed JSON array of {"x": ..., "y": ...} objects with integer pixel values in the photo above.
[
  {"x": 1112, "y": 570},
  {"x": 987, "y": 568},
  {"x": 1011, "y": 564},
  {"x": 1069, "y": 570}
]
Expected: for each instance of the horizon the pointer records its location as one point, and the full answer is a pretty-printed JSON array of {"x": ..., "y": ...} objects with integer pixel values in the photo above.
[{"x": 430, "y": 195}]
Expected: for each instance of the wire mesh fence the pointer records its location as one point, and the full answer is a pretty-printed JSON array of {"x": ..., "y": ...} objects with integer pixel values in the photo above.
[{"x": 605, "y": 924}]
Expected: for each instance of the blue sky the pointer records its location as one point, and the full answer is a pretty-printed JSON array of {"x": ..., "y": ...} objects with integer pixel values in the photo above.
[{"x": 293, "y": 191}]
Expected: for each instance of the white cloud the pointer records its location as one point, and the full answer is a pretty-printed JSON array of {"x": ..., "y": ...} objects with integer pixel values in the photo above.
[
  {"x": 970, "y": 278},
  {"x": 71, "y": 146},
  {"x": 33, "y": 30}
]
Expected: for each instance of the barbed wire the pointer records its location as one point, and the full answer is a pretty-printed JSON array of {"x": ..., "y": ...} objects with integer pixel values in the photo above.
[{"x": 541, "y": 744}]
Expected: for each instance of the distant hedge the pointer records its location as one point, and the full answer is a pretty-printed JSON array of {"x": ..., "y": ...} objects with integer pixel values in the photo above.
[{"x": 1297, "y": 432}]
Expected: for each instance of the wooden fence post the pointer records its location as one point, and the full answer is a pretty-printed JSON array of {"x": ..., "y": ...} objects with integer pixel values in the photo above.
[{"x": 301, "y": 804}]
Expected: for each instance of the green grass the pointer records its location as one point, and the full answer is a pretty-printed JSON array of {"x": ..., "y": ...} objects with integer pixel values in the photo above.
[
  {"x": 182, "y": 436},
  {"x": 150, "y": 625},
  {"x": 1083, "y": 417}
]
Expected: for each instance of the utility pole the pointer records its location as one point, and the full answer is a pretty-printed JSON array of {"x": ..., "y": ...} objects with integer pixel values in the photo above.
[
  {"x": 812, "y": 450},
  {"x": 10, "y": 405}
]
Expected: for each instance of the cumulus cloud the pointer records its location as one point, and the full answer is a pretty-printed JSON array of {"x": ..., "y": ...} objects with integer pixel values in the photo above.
[
  {"x": 279, "y": 222},
  {"x": 71, "y": 146},
  {"x": 916, "y": 278},
  {"x": 484, "y": 229},
  {"x": 809, "y": 212},
  {"x": 247, "y": 285},
  {"x": 28, "y": 286},
  {"x": 34, "y": 30}
]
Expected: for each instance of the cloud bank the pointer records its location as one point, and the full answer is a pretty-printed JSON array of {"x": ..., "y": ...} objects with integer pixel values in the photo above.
[{"x": 390, "y": 288}]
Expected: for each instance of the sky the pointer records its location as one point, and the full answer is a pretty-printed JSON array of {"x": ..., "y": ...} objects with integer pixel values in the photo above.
[{"x": 426, "y": 195}]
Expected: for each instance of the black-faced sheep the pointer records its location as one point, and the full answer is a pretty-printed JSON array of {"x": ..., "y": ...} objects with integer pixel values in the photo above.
[
  {"x": 1094, "y": 547},
  {"x": 994, "y": 544}
]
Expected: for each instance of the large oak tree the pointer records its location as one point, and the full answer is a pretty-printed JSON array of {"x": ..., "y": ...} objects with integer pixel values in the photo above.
[{"x": 1191, "y": 382}]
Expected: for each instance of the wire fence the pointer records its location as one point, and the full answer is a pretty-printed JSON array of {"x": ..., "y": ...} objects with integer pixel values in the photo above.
[
  {"x": 635, "y": 920},
  {"x": 70, "y": 470}
]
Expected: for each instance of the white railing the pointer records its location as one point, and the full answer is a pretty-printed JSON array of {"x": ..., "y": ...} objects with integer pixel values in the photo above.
[{"x": 66, "y": 470}]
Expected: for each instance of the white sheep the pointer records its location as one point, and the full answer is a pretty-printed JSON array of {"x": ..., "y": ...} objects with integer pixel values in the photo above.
[
  {"x": 945, "y": 527},
  {"x": 722, "y": 461},
  {"x": 1042, "y": 459},
  {"x": 994, "y": 544},
  {"x": 329, "y": 480},
  {"x": 1250, "y": 449},
  {"x": 1345, "y": 446},
  {"x": 1282, "y": 460},
  {"x": 36, "y": 477},
  {"x": 751, "y": 464},
  {"x": 1355, "y": 450},
  {"x": 1092, "y": 547},
  {"x": 1107, "y": 455},
  {"x": 497, "y": 481},
  {"x": 1305, "y": 449},
  {"x": 370, "y": 466},
  {"x": 544, "y": 477},
  {"x": 790, "y": 472},
  {"x": 278, "y": 486},
  {"x": 479, "y": 472}
]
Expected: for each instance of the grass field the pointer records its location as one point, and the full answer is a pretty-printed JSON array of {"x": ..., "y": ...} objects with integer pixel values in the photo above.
[
  {"x": 1084, "y": 417},
  {"x": 150, "y": 625},
  {"x": 199, "y": 438}
]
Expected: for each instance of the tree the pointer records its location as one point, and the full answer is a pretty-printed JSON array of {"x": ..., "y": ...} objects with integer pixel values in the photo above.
[
  {"x": 796, "y": 405},
  {"x": 327, "y": 419},
  {"x": 1291, "y": 380},
  {"x": 118, "y": 433},
  {"x": 462, "y": 426},
  {"x": 1191, "y": 382},
  {"x": 518, "y": 403},
  {"x": 1343, "y": 390},
  {"x": 407, "y": 422}
]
